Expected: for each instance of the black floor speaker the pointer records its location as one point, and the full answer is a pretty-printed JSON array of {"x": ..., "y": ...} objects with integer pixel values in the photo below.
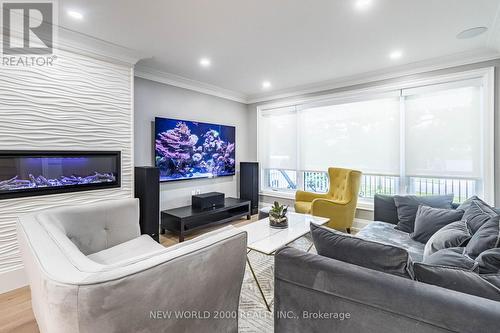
[
  {"x": 249, "y": 184},
  {"x": 147, "y": 190}
]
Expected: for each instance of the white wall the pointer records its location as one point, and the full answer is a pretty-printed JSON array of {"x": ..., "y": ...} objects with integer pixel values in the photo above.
[
  {"x": 153, "y": 99},
  {"x": 80, "y": 103}
]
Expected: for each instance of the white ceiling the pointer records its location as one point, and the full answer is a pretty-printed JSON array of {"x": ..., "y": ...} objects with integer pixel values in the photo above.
[{"x": 291, "y": 43}]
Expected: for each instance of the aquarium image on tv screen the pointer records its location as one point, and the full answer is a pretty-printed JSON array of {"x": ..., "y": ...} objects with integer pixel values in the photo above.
[{"x": 188, "y": 149}]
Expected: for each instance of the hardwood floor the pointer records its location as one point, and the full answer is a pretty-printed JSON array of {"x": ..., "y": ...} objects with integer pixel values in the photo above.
[
  {"x": 16, "y": 315},
  {"x": 15, "y": 312}
]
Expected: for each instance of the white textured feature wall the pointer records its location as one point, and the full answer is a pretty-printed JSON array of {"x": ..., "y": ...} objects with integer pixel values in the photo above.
[{"x": 78, "y": 104}]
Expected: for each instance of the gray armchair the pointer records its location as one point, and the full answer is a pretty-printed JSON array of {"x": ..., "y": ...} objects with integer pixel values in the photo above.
[{"x": 90, "y": 270}]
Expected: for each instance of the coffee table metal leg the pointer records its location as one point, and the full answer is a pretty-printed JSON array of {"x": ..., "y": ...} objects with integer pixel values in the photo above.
[{"x": 258, "y": 284}]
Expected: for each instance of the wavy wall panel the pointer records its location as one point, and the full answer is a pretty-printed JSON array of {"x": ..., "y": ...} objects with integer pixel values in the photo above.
[{"x": 78, "y": 104}]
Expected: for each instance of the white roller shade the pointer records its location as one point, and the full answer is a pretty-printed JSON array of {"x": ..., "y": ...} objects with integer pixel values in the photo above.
[
  {"x": 278, "y": 138},
  {"x": 359, "y": 135},
  {"x": 443, "y": 132}
]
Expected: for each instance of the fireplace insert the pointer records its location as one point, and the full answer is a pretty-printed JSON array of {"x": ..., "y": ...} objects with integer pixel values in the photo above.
[{"x": 29, "y": 173}]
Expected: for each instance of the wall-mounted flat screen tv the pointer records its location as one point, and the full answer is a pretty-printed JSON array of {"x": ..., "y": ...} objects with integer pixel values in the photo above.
[{"x": 188, "y": 149}]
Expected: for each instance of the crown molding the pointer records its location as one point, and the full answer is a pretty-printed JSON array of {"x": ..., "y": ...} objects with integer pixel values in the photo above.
[
  {"x": 458, "y": 59},
  {"x": 79, "y": 43},
  {"x": 454, "y": 60},
  {"x": 75, "y": 42},
  {"x": 183, "y": 82}
]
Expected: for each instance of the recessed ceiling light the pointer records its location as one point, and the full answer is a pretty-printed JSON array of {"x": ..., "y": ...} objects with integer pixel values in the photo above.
[
  {"x": 396, "y": 54},
  {"x": 471, "y": 33},
  {"x": 205, "y": 62},
  {"x": 363, "y": 4},
  {"x": 75, "y": 14},
  {"x": 266, "y": 84}
]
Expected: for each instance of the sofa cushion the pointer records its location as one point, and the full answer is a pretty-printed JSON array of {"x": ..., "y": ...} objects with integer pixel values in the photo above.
[
  {"x": 477, "y": 212},
  {"x": 489, "y": 261},
  {"x": 455, "y": 234},
  {"x": 429, "y": 220},
  {"x": 137, "y": 247},
  {"x": 486, "y": 237},
  {"x": 385, "y": 233},
  {"x": 458, "y": 279},
  {"x": 385, "y": 209},
  {"x": 452, "y": 257},
  {"x": 407, "y": 206},
  {"x": 373, "y": 255}
]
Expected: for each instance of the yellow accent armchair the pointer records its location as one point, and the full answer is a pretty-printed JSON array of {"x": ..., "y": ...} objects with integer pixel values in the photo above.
[{"x": 339, "y": 204}]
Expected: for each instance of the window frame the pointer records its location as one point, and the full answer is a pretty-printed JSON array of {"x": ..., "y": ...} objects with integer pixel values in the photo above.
[{"x": 486, "y": 75}]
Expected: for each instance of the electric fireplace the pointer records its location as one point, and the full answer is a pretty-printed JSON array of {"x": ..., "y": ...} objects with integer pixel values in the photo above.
[{"x": 29, "y": 173}]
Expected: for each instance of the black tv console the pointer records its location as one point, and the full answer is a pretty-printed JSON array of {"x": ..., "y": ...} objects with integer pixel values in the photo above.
[{"x": 184, "y": 220}]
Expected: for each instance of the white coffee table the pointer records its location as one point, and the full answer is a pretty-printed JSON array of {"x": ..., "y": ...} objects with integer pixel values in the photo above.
[{"x": 266, "y": 240}]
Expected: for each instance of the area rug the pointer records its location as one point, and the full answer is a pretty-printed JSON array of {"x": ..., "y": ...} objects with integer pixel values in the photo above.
[{"x": 254, "y": 316}]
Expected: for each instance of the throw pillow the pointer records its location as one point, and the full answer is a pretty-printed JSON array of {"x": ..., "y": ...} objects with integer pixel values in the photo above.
[
  {"x": 373, "y": 255},
  {"x": 494, "y": 279},
  {"x": 407, "y": 206},
  {"x": 486, "y": 237},
  {"x": 429, "y": 220},
  {"x": 458, "y": 279},
  {"x": 467, "y": 203},
  {"x": 489, "y": 261},
  {"x": 452, "y": 269},
  {"x": 477, "y": 212},
  {"x": 453, "y": 257},
  {"x": 454, "y": 234},
  {"x": 385, "y": 209}
]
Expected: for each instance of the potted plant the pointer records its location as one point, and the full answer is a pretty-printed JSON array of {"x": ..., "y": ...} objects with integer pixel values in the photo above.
[{"x": 277, "y": 216}]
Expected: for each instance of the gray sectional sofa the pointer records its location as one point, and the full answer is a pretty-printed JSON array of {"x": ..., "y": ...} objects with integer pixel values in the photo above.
[{"x": 316, "y": 293}]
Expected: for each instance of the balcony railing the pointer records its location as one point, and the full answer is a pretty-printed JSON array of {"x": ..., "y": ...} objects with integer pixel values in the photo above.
[
  {"x": 371, "y": 184},
  {"x": 461, "y": 188},
  {"x": 378, "y": 184}
]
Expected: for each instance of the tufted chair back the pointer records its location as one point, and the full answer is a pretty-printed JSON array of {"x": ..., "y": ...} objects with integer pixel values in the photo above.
[
  {"x": 93, "y": 228},
  {"x": 344, "y": 184}
]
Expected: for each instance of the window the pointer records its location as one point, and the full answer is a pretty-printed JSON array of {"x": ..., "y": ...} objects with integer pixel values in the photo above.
[
  {"x": 443, "y": 141},
  {"x": 278, "y": 146},
  {"x": 431, "y": 139},
  {"x": 360, "y": 135}
]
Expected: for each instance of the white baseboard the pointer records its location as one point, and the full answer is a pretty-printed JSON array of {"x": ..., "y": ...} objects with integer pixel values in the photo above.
[{"x": 12, "y": 280}]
